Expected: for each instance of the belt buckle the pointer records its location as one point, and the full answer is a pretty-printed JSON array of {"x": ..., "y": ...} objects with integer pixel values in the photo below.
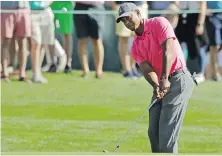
[
  {"x": 176, "y": 72},
  {"x": 170, "y": 76}
]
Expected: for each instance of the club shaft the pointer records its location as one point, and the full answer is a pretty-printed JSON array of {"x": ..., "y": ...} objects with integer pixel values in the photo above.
[{"x": 131, "y": 129}]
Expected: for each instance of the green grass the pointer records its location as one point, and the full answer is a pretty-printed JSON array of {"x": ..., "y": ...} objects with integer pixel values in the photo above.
[{"x": 71, "y": 114}]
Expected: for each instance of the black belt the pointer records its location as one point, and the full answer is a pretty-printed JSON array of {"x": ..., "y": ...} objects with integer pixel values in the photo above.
[
  {"x": 176, "y": 72},
  {"x": 182, "y": 71}
]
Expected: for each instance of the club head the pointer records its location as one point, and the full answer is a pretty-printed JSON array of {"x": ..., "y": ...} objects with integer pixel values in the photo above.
[{"x": 105, "y": 151}]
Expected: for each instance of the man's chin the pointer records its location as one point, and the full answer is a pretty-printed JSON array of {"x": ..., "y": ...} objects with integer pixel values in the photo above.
[{"x": 132, "y": 29}]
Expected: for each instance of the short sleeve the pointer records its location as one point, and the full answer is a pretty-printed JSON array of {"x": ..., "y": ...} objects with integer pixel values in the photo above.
[
  {"x": 163, "y": 29},
  {"x": 135, "y": 54}
]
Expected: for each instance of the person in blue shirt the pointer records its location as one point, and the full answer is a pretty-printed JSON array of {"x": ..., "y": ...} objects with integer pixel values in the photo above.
[{"x": 214, "y": 30}]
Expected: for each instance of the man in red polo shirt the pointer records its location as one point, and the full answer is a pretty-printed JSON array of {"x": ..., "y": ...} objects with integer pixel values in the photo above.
[{"x": 160, "y": 58}]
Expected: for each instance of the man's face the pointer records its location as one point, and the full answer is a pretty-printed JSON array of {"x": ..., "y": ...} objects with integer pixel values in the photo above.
[{"x": 132, "y": 21}]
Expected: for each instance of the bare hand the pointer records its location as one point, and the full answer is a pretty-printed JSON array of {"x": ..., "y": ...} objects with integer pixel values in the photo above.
[
  {"x": 164, "y": 87},
  {"x": 209, "y": 12},
  {"x": 156, "y": 92},
  {"x": 199, "y": 29}
]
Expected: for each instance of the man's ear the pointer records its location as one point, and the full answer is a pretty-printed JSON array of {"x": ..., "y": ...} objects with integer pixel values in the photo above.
[{"x": 138, "y": 12}]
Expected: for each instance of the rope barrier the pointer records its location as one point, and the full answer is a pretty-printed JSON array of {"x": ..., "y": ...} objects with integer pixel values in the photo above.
[{"x": 107, "y": 12}]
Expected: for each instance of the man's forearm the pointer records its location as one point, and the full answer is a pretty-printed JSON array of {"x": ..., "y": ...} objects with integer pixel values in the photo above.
[
  {"x": 202, "y": 14},
  {"x": 152, "y": 79},
  {"x": 167, "y": 58},
  {"x": 149, "y": 73},
  {"x": 167, "y": 63}
]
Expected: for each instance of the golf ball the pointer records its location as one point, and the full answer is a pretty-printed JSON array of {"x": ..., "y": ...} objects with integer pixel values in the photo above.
[{"x": 64, "y": 9}]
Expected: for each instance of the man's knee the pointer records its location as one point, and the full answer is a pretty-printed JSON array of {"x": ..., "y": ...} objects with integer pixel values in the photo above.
[
  {"x": 152, "y": 133},
  {"x": 123, "y": 40},
  {"x": 214, "y": 48},
  {"x": 97, "y": 42},
  {"x": 22, "y": 42},
  {"x": 153, "y": 136},
  {"x": 82, "y": 41},
  {"x": 6, "y": 42}
]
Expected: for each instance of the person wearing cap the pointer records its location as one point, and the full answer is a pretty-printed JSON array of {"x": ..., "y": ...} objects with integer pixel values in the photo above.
[{"x": 159, "y": 55}]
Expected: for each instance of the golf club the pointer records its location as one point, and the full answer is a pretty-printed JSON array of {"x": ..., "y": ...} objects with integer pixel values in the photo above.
[{"x": 131, "y": 129}]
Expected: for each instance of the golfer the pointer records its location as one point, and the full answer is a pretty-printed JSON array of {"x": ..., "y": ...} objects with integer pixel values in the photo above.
[{"x": 160, "y": 58}]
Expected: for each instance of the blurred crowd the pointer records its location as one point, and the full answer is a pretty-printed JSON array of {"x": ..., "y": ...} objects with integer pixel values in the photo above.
[{"x": 28, "y": 28}]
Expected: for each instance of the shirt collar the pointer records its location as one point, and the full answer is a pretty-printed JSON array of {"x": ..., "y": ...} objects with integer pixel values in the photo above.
[{"x": 145, "y": 28}]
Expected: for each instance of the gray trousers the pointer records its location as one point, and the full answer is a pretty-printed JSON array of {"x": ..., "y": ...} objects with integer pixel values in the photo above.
[{"x": 166, "y": 116}]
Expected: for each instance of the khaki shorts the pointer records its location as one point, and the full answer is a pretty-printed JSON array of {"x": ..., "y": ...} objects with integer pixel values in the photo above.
[
  {"x": 121, "y": 29},
  {"x": 43, "y": 30}
]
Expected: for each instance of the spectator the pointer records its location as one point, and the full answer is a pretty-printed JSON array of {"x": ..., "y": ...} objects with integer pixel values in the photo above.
[
  {"x": 191, "y": 30},
  {"x": 214, "y": 29},
  {"x": 90, "y": 25},
  {"x": 172, "y": 17},
  {"x": 208, "y": 72},
  {"x": 60, "y": 54},
  {"x": 15, "y": 24},
  {"x": 65, "y": 28},
  {"x": 42, "y": 35},
  {"x": 128, "y": 65}
]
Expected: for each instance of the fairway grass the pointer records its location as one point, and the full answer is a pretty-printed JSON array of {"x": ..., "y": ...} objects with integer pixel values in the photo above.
[{"x": 72, "y": 114}]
